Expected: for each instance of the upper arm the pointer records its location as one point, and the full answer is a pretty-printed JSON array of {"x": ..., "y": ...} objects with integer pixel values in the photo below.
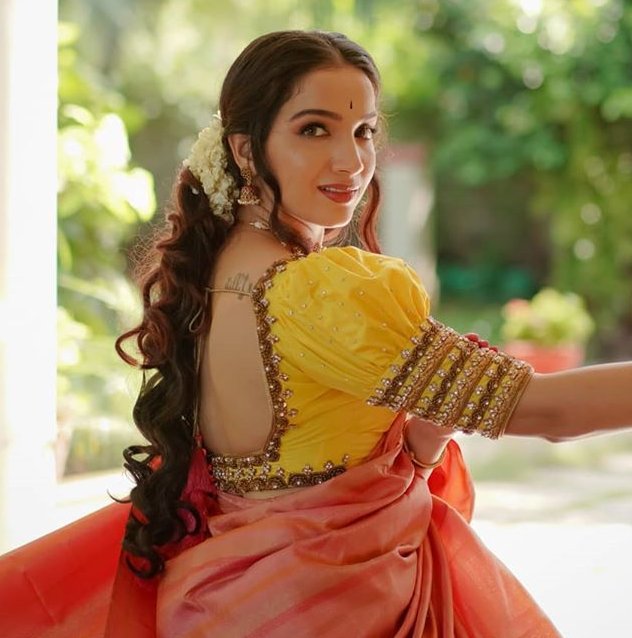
[
  {"x": 365, "y": 330},
  {"x": 451, "y": 381}
]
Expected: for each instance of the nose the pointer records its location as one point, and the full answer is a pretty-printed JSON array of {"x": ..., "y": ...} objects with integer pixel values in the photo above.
[{"x": 347, "y": 157}]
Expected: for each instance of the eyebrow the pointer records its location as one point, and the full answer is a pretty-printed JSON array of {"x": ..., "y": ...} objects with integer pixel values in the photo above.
[{"x": 325, "y": 113}]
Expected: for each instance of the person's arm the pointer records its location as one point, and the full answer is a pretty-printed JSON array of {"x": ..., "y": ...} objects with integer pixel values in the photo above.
[
  {"x": 425, "y": 441},
  {"x": 575, "y": 403},
  {"x": 557, "y": 407}
]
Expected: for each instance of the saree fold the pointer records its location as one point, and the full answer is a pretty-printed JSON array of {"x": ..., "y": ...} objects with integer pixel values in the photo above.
[
  {"x": 377, "y": 552},
  {"x": 60, "y": 586},
  {"x": 371, "y": 553}
]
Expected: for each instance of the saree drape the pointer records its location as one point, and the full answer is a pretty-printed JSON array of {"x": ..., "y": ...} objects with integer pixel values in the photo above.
[
  {"x": 375, "y": 552},
  {"x": 60, "y": 586}
]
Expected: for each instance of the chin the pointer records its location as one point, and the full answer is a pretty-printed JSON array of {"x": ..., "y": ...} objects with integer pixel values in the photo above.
[
  {"x": 336, "y": 222},
  {"x": 339, "y": 216},
  {"x": 326, "y": 218},
  {"x": 341, "y": 223}
]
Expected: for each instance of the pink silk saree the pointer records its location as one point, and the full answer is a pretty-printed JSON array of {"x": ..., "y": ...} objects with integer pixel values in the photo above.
[{"x": 375, "y": 552}]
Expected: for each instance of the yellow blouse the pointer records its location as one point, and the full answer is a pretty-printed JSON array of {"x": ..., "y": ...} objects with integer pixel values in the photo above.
[{"x": 346, "y": 340}]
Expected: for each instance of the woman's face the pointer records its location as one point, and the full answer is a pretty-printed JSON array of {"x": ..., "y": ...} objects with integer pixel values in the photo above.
[{"x": 321, "y": 148}]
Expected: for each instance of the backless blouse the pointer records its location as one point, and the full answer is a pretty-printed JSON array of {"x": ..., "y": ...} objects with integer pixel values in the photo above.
[{"x": 346, "y": 340}]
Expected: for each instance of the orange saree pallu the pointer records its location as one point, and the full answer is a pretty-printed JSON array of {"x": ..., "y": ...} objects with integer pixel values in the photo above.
[
  {"x": 371, "y": 553},
  {"x": 60, "y": 586}
]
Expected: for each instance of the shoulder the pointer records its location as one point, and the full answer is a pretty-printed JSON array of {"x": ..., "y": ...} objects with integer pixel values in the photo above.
[
  {"x": 347, "y": 269},
  {"x": 346, "y": 282},
  {"x": 353, "y": 260},
  {"x": 245, "y": 259},
  {"x": 347, "y": 262},
  {"x": 344, "y": 313}
]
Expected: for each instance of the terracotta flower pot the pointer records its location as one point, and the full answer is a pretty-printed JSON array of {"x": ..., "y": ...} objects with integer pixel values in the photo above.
[{"x": 547, "y": 358}]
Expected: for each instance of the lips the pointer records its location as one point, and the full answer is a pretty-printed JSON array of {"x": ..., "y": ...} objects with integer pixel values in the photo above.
[{"x": 339, "y": 193}]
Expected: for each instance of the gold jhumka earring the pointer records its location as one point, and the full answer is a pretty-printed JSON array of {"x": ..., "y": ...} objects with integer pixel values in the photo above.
[{"x": 248, "y": 193}]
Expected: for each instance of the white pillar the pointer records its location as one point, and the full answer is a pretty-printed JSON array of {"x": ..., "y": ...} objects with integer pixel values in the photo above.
[
  {"x": 405, "y": 228},
  {"x": 28, "y": 103}
]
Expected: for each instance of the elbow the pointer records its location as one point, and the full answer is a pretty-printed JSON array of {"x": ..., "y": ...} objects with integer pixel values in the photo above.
[
  {"x": 562, "y": 426},
  {"x": 554, "y": 425},
  {"x": 555, "y": 438}
]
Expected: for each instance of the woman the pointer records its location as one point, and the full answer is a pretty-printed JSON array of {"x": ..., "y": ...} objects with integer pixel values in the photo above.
[
  {"x": 308, "y": 371},
  {"x": 300, "y": 478}
]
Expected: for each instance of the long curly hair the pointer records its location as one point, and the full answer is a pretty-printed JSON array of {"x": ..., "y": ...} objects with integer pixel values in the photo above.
[{"x": 176, "y": 269}]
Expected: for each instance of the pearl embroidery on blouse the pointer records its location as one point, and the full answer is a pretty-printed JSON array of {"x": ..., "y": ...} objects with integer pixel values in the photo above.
[{"x": 449, "y": 380}]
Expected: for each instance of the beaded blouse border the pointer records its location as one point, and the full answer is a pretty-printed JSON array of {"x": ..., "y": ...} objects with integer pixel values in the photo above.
[{"x": 450, "y": 381}]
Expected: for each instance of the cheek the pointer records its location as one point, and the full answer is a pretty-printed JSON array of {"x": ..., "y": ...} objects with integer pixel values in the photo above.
[
  {"x": 292, "y": 161},
  {"x": 370, "y": 159}
]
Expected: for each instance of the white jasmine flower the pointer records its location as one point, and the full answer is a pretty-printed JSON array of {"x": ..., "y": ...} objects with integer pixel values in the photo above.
[{"x": 208, "y": 161}]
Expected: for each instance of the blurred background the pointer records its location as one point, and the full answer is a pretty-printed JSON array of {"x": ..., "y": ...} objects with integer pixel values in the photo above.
[
  {"x": 508, "y": 176},
  {"x": 511, "y": 135}
]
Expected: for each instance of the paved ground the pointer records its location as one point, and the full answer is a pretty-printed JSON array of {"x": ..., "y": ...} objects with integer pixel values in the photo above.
[
  {"x": 566, "y": 532},
  {"x": 579, "y": 573}
]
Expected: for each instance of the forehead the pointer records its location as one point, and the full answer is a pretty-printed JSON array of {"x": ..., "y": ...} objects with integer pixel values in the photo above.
[{"x": 333, "y": 89}]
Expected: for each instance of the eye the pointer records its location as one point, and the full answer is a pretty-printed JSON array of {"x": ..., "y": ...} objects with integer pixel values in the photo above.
[
  {"x": 313, "y": 129},
  {"x": 366, "y": 132}
]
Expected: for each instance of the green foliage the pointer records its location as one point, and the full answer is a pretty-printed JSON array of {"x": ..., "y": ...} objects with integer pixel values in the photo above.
[
  {"x": 92, "y": 449},
  {"x": 530, "y": 131},
  {"x": 101, "y": 200},
  {"x": 525, "y": 109}
]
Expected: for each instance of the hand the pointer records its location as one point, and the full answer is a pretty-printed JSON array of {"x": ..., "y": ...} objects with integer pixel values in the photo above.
[
  {"x": 482, "y": 343},
  {"x": 426, "y": 441}
]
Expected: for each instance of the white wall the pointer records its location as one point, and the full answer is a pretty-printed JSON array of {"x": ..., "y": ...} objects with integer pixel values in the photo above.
[
  {"x": 28, "y": 98},
  {"x": 405, "y": 222}
]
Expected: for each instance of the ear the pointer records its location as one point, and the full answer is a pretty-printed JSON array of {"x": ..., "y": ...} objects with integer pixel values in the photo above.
[{"x": 240, "y": 146}]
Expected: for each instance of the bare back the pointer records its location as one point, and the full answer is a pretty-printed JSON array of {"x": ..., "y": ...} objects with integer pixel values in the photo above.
[{"x": 235, "y": 407}]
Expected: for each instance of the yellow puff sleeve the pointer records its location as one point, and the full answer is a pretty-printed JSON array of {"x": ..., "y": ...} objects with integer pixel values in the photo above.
[{"x": 359, "y": 323}]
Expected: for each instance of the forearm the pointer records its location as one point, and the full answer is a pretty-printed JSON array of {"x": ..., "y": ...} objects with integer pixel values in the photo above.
[{"x": 575, "y": 403}]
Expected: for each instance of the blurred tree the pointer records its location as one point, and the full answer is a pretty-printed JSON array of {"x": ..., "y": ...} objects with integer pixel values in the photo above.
[
  {"x": 101, "y": 201},
  {"x": 531, "y": 112},
  {"x": 525, "y": 106}
]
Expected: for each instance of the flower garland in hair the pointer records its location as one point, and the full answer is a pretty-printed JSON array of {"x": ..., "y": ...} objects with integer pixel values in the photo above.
[{"x": 207, "y": 161}]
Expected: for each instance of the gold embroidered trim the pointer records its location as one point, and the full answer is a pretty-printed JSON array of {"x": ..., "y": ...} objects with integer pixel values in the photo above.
[
  {"x": 453, "y": 382},
  {"x": 242, "y": 478},
  {"x": 241, "y": 474}
]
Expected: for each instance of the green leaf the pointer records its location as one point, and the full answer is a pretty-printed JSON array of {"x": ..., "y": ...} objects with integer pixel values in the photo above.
[{"x": 618, "y": 104}]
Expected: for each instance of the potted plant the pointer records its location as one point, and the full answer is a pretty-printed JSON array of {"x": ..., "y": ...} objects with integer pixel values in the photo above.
[{"x": 549, "y": 332}]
